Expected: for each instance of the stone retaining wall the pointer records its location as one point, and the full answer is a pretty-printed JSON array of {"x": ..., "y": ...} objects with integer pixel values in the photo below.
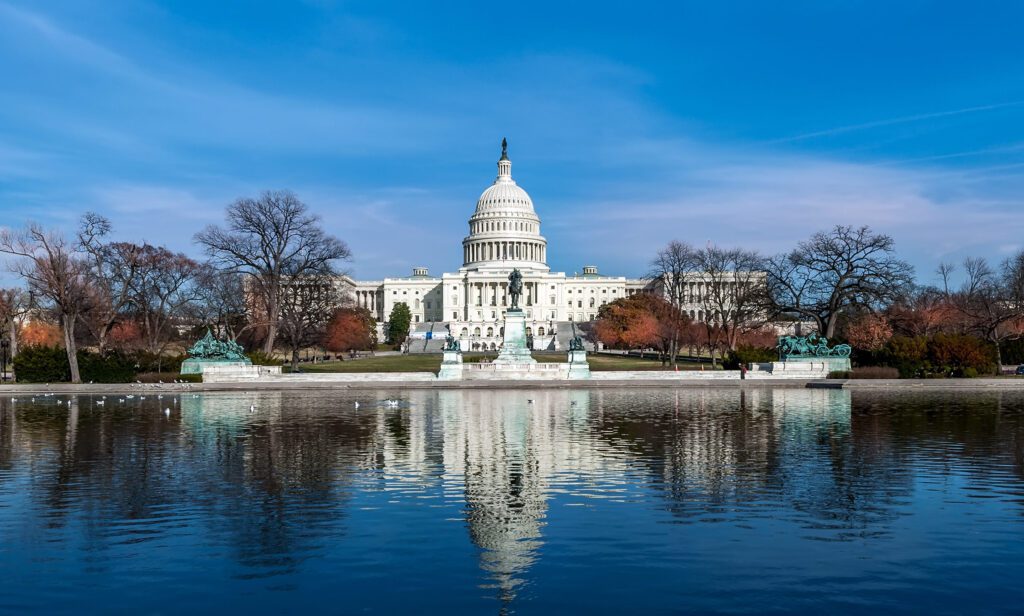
[{"x": 507, "y": 372}]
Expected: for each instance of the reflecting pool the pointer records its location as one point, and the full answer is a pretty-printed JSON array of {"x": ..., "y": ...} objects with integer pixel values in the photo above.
[{"x": 508, "y": 501}]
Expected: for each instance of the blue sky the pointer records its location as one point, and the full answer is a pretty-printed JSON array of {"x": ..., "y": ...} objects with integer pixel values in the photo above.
[{"x": 739, "y": 123}]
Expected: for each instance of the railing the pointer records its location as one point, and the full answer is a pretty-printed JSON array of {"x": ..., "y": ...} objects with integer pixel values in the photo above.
[{"x": 550, "y": 367}]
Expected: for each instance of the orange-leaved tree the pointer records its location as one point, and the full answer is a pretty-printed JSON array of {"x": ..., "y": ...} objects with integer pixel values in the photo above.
[
  {"x": 351, "y": 329},
  {"x": 641, "y": 321},
  {"x": 40, "y": 333}
]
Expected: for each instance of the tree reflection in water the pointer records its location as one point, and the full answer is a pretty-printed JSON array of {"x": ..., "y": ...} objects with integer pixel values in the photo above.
[{"x": 274, "y": 491}]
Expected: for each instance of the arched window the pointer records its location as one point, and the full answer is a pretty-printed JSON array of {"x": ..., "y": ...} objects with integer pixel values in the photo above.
[
  {"x": 540, "y": 331},
  {"x": 464, "y": 332},
  {"x": 490, "y": 332},
  {"x": 529, "y": 331},
  {"x": 476, "y": 331},
  {"x": 591, "y": 302},
  {"x": 494, "y": 347}
]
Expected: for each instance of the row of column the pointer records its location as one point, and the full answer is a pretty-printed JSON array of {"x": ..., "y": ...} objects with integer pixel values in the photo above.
[
  {"x": 497, "y": 251},
  {"x": 368, "y": 300},
  {"x": 695, "y": 291},
  {"x": 496, "y": 294}
]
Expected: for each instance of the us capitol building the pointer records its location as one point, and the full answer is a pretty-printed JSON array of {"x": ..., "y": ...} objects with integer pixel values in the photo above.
[{"x": 504, "y": 233}]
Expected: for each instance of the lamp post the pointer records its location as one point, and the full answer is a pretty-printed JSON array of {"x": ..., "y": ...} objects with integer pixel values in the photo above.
[{"x": 5, "y": 347}]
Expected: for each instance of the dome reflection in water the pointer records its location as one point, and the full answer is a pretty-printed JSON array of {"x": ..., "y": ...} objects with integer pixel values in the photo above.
[{"x": 647, "y": 500}]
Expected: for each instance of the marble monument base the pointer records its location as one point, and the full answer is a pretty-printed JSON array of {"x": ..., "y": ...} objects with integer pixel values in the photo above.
[
  {"x": 513, "y": 349},
  {"x": 579, "y": 368},
  {"x": 194, "y": 365},
  {"x": 451, "y": 366}
]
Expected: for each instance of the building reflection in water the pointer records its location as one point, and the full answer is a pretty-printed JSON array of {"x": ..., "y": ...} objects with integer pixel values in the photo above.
[{"x": 275, "y": 484}]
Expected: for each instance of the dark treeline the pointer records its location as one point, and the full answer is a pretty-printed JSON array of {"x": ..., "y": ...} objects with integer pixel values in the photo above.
[
  {"x": 270, "y": 281},
  {"x": 846, "y": 284},
  {"x": 137, "y": 304}
]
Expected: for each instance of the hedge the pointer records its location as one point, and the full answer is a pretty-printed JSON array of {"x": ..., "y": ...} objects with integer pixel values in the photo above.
[
  {"x": 49, "y": 364},
  {"x": 749, "y": 355}
]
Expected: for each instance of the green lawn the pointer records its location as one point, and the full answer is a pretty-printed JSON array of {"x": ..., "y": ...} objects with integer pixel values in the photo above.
[
  {"x": 390, "y": 363},
  {"x": 431, "y": 363}
]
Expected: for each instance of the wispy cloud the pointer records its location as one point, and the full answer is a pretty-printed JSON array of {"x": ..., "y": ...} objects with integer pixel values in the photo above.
[
  {"x": 394, "y": 149},
  {"x": 828, "y": 132}
]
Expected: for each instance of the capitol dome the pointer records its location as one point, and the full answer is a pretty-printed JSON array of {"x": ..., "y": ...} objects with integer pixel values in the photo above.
[{"x": 504, "y": 230}]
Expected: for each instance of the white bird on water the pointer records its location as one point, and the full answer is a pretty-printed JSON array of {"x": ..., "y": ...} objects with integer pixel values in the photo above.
[
  {"x": 357, "y": 403},
  {"x": 252, "y": 408},
  {"x": 167, "y": 412},
  {"x": 100, "y": 402}
]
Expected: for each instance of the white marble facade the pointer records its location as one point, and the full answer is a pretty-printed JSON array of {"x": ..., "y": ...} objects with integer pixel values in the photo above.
[{"x": 504, "y": 233}]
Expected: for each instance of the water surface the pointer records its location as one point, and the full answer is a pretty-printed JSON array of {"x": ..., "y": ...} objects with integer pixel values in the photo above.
[{"x": 645, "y": 501}]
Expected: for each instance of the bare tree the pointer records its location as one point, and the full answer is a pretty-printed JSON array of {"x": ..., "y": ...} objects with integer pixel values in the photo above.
[
  {"x": 733, "y": 294},
  {"x": 307, "y": 305},
  {"x": 164, "y": 290},
  {"x": 835, "y": 273},
  {"x": 220, "y": 302},
  {"x": 15, "y": 304},
  {"x": 670, "y": 270},
  {"x": 991, "y": 302},
  {"x": 269, "y": 238},
  {"x": 114, "y": 271},
  {"x": 56, "y": 275},
  {"x": 945, "y": 272}
]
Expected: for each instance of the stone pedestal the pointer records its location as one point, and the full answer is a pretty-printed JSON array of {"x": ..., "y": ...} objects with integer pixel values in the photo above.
[
  {"x": 195, "y": 365},
  {"x": 579, "y": 368},
  {"x": 451, "y": 366},
  {"x": 513, "y": 349}
]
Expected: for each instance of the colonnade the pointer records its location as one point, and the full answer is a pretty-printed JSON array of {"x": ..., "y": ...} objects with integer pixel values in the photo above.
[
  {"x": 695, "y": 291},
  {"x": 504, "y": 250},
  {"x": 368, "y": 300},
  {"x": 496, "y": 294}
]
